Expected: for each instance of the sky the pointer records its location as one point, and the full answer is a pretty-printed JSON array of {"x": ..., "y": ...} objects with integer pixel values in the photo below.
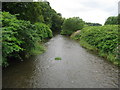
[{"x": 96, "y": 11}]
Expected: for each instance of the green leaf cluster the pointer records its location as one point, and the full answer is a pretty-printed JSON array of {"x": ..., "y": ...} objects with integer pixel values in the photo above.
[
  {"x": 20, "y": 37},
  {"x": 43, "y": 30},
  {"x": 35, "y": 12},
  {"x": 58, "y": 58},
  {"x": 71, "y": 25},
  {"x": 103, "y": 39}
]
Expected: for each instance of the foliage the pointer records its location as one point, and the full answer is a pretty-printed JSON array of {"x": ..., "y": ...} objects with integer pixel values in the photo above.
[
  {"x": 38, "y": 49},
  {"x": 35, "y": 12},
  {"x": 58, "y": 58},
  {"x": 20, "y": 38},
  {"x": 10, "y": 44},
  {"x": 71, "y": 25},
  {"x": 103, "y": 39},
  {"x": 57, "y": 22},
  {"x": 113, "y": 20},
  {"x": 43, "y": 31},
  {"x": 24, "y": 10},
  {"x": 51, "y": 17}
]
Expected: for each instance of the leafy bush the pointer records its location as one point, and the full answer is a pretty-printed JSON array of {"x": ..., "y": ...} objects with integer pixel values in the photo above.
[
  {"x": 20, "y": 38},
  {"x": 41, "y": 12},
  {"x": 71, "y": 25},
  {"x": 43, "y": 31},
  {"x": 10, "y": 43},
  {"x": 104, "y": 39}
]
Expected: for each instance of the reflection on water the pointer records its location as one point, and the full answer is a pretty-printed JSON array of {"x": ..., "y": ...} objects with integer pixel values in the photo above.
[{"x": 77, "y": 69}]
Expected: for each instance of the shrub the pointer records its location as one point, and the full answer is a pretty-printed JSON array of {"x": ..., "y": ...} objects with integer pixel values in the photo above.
[
  {"x": 104, "y": 39},
  {"x": 10, "y": 43},
  {"x": 43, "y": 31},
  {"x": 21, "y": 38},
  {"x": 71, "y": 25}
]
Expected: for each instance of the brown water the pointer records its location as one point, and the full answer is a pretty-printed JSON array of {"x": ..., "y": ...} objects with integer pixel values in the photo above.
[{"x": 77, "y": 69}]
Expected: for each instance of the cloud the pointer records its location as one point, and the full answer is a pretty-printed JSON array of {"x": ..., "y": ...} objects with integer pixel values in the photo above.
[{"x": 89, "y": 10}]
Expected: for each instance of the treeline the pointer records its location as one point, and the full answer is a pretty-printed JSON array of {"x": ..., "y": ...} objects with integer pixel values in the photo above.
[
  {"x": 95, "y": 37},
  {"x": 35, "y": 12},
  {"x": 25, "y": 26}
]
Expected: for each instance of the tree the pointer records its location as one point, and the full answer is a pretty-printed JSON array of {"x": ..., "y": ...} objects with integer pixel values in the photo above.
[
  {"x": 113, "y": 20},
  {"x": 57, "y": 22},
  {"x": 35, "y": 12},
  {"x": 71, "y": 25},
  {"x": 25, "y": 10}
]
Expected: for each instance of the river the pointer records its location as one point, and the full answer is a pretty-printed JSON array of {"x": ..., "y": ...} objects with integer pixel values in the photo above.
[{"x": 77, "y": 69}]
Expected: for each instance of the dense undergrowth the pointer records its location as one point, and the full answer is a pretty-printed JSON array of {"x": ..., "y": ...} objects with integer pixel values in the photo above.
[
  {"x": 103, "y": 39},
  {"x": 20, "y": 38}
]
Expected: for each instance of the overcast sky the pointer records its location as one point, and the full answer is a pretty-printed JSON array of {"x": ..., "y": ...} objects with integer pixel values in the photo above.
[{"x": 89, "y": 10}]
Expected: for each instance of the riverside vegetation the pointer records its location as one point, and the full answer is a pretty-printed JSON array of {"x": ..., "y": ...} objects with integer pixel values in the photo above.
[
  {"x": 21, "y": 38},
  {"x": 24, "y": 33},
  {"x": 103, "y": 39}
]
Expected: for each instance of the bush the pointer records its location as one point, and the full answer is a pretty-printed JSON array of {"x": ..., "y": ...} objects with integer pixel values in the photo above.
[
  {"x": 43, "y": 31},
  {"x": 71, "y": 25},
  {"x": 10, "y": 43},
  {"x": 21, "y": 38},
  {"x": 104, "y": 39}
]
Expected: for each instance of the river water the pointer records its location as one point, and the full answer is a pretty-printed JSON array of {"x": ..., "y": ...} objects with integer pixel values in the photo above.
[{"x": 77, "y": 69}]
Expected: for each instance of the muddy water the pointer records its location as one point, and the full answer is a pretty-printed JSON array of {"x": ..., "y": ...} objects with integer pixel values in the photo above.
[{"x": 77, "y": 69}]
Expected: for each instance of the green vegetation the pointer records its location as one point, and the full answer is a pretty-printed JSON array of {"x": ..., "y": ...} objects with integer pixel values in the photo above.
[
  {"x": 103, "y": 39},
  {"x": 113, "y": 20},
  {"x": 21, "y": 38},
  {"x": 98, "y": 38},
  {"x": 23, "y": 32},
  {"x": 58, "y": 58},
  {"x": 41, "y": 12},
  {"x": 71, "y": 25},
  {"x": 43, "y": 31}
]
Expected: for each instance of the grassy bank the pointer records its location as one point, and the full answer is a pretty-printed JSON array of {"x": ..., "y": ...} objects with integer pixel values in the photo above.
[{"x": 103, "y": 39}]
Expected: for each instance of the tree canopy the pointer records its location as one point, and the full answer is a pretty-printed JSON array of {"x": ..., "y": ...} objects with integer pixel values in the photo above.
[
  {"x": 71, "y": 25},
  {"x": 113, "y": 20},
  {"x": 35, "y": 12}
]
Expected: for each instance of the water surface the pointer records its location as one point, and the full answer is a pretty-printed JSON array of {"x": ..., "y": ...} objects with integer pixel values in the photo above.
[{"x": 77, "y": 69}]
